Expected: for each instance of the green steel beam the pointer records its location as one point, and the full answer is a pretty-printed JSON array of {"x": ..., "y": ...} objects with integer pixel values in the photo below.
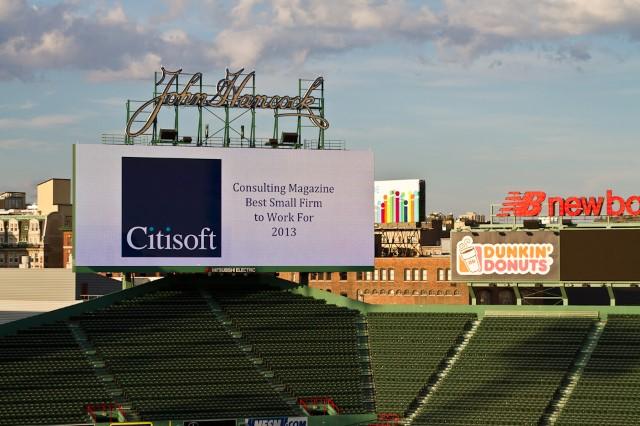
[
  {"x": 565, "y": 299},
  {"x": 516, "y": 292},
  {"x": 612, "y": 296}
]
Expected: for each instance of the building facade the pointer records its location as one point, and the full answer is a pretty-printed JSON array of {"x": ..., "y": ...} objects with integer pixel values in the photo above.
[
  {"x": 32, "y": 238},
  {"x": 397, "y": 280}
]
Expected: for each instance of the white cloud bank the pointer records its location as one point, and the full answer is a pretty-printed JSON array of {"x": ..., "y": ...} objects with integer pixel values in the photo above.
[{"x": 108, "y": 44}]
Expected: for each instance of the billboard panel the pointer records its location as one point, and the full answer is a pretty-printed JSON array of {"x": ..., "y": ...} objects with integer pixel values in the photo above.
[
  {"x": 505, "y": 256},
  {"x": 165, "y": 207},
  {"x": 276, "y": 421},
  {"x": 399, "y": 201},
  {"x": 600, "y": 255}
]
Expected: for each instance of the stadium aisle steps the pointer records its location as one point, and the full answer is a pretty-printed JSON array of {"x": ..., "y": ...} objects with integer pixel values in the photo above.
[
  {"x": 408, "y": 350},
  {"x": 173, "y": 359},
  {"x": 607, "y": 391},
  {"x": 45, "y": 378},
  {"x": 508, "y": 373},
  {"x": 297, "y": 337},
  {"x": 114, "y": 391},
  {"x": 258, "y": 362},
  {"x": 569, "y": 383}
]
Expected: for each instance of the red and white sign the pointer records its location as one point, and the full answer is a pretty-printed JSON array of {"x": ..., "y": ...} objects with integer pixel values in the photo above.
[
  {"x": 530, "y": 203},
  {"x": 486, "y": 259}
]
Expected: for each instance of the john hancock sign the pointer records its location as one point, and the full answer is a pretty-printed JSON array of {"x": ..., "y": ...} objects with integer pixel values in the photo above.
[{"x": 229, "y": 93}]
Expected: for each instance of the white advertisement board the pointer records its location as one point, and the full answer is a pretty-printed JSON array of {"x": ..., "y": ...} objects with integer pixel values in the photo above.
[
  {"x": 172, "y": 207},
  {"x": 399, "y": 201}
]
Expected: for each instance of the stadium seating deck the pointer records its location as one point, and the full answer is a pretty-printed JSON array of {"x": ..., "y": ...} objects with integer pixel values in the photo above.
[
  {"x": 406, "y": 350},
  {"x": 508, "y": 373},
  {"x": 310, "y": 346},
  {"x": 173, "y": 359},
  {"x": 45, "y": 378},
  {"x": 607, "y": 391}
]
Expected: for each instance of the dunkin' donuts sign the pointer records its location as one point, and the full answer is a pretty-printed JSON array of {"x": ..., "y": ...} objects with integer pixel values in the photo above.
[{"x": 505, "y": 256}]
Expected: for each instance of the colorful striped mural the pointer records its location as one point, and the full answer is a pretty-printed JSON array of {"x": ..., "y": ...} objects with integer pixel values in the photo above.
[{"x": 398, "y": 207}]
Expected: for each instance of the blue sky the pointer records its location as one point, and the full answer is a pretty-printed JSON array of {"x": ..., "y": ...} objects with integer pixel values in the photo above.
[{"x": 477, "y": 97}]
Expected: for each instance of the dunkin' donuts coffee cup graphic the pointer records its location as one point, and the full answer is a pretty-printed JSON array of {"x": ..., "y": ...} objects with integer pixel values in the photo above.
[
  {"x": 502, "y": 258},
  {"x": 468, "y": 261}
]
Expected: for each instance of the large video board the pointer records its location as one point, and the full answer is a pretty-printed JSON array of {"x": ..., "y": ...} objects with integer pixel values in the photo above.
[
  {"x": 600, "y": 255},
  {"x": 180, "y": 207},
  {"x": 505, "y": 256}
]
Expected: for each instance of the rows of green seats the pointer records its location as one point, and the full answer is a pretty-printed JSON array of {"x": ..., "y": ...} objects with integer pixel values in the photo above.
[
  {"x": 407, "y": 350},
  {"x": 607, "y": 391},
  {"x": 45, "y": 378},
  {"x": 173, "y": 359},
  {"x": 508, "y": 373},
  {"x": 310, "y": 346}
]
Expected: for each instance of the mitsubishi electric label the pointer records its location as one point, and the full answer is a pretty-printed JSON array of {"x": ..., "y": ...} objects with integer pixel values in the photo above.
[
  {"x": 499, "y": 256},
  {"x": 211, "y": 208}
]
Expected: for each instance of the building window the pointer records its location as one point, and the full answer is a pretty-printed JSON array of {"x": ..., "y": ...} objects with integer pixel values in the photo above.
[
  {"x": 384, "y": 274},
  {"x": 392, "y": 274},
  {"x": 448, "y": 274},
  {"x": 391, "y": 292},
  {"x": 456, "y": 292},
  {"x": 432, "y": 292},
  {"x": 383, "y": 292},
  {"x": 374, "y": 291},
  {"x": 424, "y": 275},
  {"x": 447, "y": 292},
  {"x": 407, "y": 274},
  {"x": 441, "y": 274},
  {"x": 416, "y": 274},
  {"x": 327, "y": 276},
  {"x": 343, "y": 294},
  {"x": 369, "y": 275},
  {"x": 439, "y": 293},
  {"x": 343, "y": 276},
  {"x": 313, "y": 276},
  {"x": 376, "y": 274},
  {"x": 359, "y": 276}
]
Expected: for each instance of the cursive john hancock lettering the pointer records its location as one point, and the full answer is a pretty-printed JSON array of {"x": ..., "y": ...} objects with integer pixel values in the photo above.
[{"x": 228, "y": 94}]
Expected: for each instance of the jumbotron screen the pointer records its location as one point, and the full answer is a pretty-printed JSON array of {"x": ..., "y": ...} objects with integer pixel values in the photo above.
[
  {"x": 152, "y": 206},
  {"x": 600, "y": 255}
]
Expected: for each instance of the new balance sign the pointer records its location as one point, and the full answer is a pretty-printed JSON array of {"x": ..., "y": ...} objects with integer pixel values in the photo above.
[{"x": 530, "y": 203}]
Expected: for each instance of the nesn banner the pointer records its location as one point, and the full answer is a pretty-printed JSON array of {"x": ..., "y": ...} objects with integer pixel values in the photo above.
[{"x": 277, "y": 421}]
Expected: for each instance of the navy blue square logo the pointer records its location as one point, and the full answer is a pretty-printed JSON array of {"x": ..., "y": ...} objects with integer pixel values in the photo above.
[{"x": 171, "y": 207}]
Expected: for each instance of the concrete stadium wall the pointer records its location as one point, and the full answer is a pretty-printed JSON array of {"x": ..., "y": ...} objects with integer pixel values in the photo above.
[{"x": 37, "y": 284}]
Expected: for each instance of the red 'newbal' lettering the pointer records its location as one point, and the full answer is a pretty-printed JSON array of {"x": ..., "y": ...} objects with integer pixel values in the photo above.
[{"x": 592, "y": 206}]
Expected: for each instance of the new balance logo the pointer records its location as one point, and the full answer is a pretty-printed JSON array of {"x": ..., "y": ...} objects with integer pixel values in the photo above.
[
  {"x": 529, "y": 203},
  {"x": 522, "y": 204}
]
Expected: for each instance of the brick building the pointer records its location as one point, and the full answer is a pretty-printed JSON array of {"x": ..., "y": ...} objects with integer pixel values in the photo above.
[
  {"x": 32, "y": 238},
  {"x": 397, "y": 280}
]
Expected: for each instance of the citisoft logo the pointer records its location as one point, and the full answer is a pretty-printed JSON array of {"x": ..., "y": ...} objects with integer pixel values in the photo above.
[
  {"x": 157, "y": 240},
  {"x": 171, "y": 207}
]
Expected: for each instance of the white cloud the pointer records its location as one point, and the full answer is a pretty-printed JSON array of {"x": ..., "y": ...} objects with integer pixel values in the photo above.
[
  {"x": 288, "y": 33},
  {"x": 8, "y": 8},
  {"x": 113, "y": 16},
  {"x": 176, "y": 37},
  {"x": 132, "y": 70},
  {"x": 22, "y": 144},
  {"x": 41, "y": 121}
]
